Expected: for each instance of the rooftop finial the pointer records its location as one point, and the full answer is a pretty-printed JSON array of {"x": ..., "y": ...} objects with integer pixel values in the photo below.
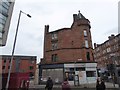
[{"x": 79, "y": 14}]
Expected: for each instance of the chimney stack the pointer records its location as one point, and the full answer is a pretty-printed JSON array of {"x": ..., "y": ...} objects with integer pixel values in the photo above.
[
  {"x": 46, "y": 28},
  {"x": 75, "y": 17},
  {"x": 111, "y": 37},
  {"x": 95, "y": 45}
]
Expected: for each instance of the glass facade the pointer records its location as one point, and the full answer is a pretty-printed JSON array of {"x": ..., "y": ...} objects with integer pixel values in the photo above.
[{"x": 4, "y": 7}]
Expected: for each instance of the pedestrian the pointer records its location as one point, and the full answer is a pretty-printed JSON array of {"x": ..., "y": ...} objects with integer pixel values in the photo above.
[
  {"x": 65, "y": 85},
  {"x": 98, "y": 86},
  {"x": 49, "y": 84},
  {"x": 102, "y": 84}
]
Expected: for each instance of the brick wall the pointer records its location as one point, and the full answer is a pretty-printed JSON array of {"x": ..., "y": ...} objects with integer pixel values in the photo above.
[{"x": 70, "y": 43}]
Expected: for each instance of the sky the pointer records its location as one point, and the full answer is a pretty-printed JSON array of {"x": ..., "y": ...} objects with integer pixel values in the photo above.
[{"x": 103, "y": 15}]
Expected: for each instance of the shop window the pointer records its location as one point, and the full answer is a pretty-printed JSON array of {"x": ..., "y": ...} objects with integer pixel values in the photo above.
[
  {"x": 72, "y": 69},
  {"x": 90, "y": 73},
  {"x": 70, "y": 76},
  {"x": 80, "y": 69}
]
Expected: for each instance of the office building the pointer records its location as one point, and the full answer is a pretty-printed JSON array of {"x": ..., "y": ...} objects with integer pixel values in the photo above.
[
  {"x": 21, "y": 64},
  {"x": 6, "y": 9}
]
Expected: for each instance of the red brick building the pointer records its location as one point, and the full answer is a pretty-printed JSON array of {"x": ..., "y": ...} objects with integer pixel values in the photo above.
[
  {"x": 20, "y": 64},
  {"x": 108, "y": 52},
  {"x": 68, "y": 53},
  {"x": 72, "y": 44}
]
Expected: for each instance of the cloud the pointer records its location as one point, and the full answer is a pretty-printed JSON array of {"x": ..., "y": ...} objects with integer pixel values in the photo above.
[{"x": 58, "y": 14}]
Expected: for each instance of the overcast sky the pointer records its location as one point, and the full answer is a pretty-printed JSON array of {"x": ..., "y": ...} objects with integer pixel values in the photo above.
[{"x": 103, "y": 15}]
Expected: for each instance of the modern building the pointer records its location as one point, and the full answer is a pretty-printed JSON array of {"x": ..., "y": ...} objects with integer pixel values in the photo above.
[
  {"x": 21, "y": 64},
  {"x": 119, "y": 17},
  {"x": 0, "y": 73},
  {"x": 6, "y": 9},
  {"x": 108, "y": 53},
  {"x": 68, "y": 49}
]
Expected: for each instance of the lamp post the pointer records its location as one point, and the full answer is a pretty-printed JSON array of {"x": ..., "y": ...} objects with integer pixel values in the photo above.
[{"x": 8, "y": 79}]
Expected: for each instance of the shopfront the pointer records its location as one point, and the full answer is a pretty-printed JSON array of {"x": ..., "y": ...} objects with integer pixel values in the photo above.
[{"x": 76, "y": 73}]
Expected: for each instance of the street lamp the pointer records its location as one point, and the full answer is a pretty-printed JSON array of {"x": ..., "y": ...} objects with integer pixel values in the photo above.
[{"x": 8, "y": 79}]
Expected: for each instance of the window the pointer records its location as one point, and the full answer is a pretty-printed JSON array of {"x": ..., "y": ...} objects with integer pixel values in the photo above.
[
  {"x": 80, "y": 69},
  {"x": 91, "y": 73},
  {"x": 3, "y": 67},
  {"x": 108, "y": 49},
  {"x": 97, "y": 49},
  {"x": 54, "y": 57},
  {"x": 88, "y": 56},
  {"x": 0, "y": 35},
  {"x": 4, "y": 11},
  {"x": 72, "y": 69},
  {"x": 31, "y": 67},
  {"x": 1, "y": 27},
  {"x": 54, "y": 46},
  {"x": 70, "y": 75},
  {"x": 104, "y": 51},
  {"x": 4, "y": 61},
  {"x": 86, "y": 44},
  {"x": 6, "y": 4},
  {"x": 85, "y": 33},
  {"x": 54, "y": 36}
]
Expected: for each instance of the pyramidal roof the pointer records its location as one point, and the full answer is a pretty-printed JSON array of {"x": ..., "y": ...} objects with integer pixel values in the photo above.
[{"x": 80, "y": 16}]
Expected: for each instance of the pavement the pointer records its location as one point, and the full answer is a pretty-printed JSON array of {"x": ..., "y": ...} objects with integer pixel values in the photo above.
[{"x": 109, "y": 86}]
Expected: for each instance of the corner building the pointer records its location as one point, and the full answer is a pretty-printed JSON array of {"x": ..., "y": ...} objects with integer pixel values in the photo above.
[
  {"x": 69, "y": 44},
  {"x": 67, "y": 49}
]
